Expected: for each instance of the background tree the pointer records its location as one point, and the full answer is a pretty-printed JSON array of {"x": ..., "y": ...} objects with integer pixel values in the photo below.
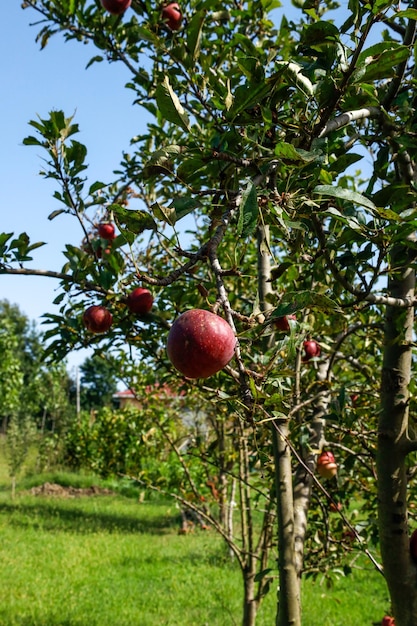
[
  {"x": 99, "y": 378},
  {"x": 35, "y": 389},
  {"x": 256, "y": 131}
]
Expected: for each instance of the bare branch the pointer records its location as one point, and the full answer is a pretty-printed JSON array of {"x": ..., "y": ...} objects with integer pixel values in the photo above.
[
  {"x": 347, "y": 118},
  {"x": 26, "y": 271}
]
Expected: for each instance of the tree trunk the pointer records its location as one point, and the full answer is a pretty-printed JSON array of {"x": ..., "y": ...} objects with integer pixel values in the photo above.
[
  {"x": 250, "y": 604},
  {"x": 303, "y": 482},
  {"x": 400, "y": 571},
  {"x": 289, "y": 602}
]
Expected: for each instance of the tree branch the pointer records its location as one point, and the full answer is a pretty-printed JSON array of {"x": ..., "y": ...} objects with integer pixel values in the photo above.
[
  {"x": 26, "y": 271},
  {"x": 347, "y": 118}
]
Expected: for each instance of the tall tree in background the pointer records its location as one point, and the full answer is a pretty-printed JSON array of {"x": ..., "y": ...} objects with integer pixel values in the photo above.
[
  {"x": 30, "y": 388},
  {"x": 256, "y": 133},
  {"x": 99, "y": 378}
]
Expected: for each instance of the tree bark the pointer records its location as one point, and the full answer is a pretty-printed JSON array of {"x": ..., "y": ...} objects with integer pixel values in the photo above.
[
  {"x": 400, "y": 571},
  {"x": 250, "y": 604},
  {"x": 289, "y": 603},
  {"x": 303, "y": 481}
]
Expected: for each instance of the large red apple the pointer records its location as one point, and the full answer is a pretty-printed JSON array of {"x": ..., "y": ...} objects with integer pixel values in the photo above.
[
  {"x": 172, "y": 16},
  {"x": 326, "y": 465},
  {"x": 283, "y": 323},
  {"x": 116, "y": 7},
  {"x": 311, "y": 349},
  {"x": 200, "y": 343},
  {"x": 97, "y": 319},
  {"x": 106, "y": 230},
  {"x": 140, "y": 301},
  {"x": 388, "y": 621}
]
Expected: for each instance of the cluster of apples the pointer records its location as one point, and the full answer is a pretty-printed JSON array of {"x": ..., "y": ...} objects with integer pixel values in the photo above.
[
  {"x": 97, "y": 318},
  {"x": 200, "y": 343},
  {"x": 171, "y": 13},
  {"x": 311, "y": 346}
]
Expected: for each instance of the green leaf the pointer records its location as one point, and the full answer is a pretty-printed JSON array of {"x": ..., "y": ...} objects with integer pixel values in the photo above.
[
  {"x": 184, "y": 205},
  {"x": 32, "y": 141},
  {"x": 293, "y": 301},
  {"x": 170, "y": 106},
  {"x": 5, "y": 237},
  {"x": 344, "y": 194},
  {"x": 166, "y": 214},
  {"x": 288, "y": 152},
  {"x": 351, "y": 222},
  {"x": 248, "y": 211},
  {"x": 96, "y": 187},
  {"x": 379, "y": 62},
  {"x": 408, "y": 13},
  {"x": 134, "y": 221},
  {"x": 38, "y": 244},
  {"x": 319, "y": 32},
  {"x": 246, "y": 97},
  {"x": 96, "y": 59},
  {"x": 194, "y": 31}
]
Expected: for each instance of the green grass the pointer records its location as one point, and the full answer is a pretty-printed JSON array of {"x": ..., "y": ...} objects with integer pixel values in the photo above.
[
  {"x": 114, "y": 561},
  {"x": 110, "y": 561}
]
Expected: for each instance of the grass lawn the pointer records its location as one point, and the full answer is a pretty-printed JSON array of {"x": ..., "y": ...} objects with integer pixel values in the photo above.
[{"x": 114, "y": 561}]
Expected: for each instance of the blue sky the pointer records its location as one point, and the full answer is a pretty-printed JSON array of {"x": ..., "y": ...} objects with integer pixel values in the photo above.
[{"x": 33, "y": 83}]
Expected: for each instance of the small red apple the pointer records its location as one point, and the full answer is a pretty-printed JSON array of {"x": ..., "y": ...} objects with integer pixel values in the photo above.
[
  {"x": 116, "y": 7},
  {"x": 311, "y": 349},
  {"x": 388, "y": 621},
  {"x": 97, "y": 319},
  {"x": 413, "y": 545},
  {"x": 283, "y": 323},
  {"x": 106, "y": 230},
  {"x": 326, "y": 465},
  {"x": 348, "y": 536},
  {"x": 100, "y": 252},
  {"x": 354, "y": 397},
  {"x": 140, "y": 301},
  {"x": 200, "y": 343},
  {"x": 172, "y": 16}
]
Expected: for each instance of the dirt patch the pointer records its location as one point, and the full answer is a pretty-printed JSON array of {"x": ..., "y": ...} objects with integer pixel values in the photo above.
[{"x": 53, "y": 489}]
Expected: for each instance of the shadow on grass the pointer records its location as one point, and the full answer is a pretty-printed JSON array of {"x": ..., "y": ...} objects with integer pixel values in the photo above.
[
  {"x": 44, "y": 621},
  {"x": 68, "y": 517}
]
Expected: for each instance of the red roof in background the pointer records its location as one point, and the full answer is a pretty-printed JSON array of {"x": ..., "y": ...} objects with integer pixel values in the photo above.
[
  {"x": 127, "y": 393},
  {"x": 156, "y": 389}
]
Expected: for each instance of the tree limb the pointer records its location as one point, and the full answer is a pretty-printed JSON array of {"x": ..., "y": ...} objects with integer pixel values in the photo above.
[{"x": 347, "y": 118}]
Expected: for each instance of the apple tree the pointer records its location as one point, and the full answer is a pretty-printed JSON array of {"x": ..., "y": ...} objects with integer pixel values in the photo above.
[{"x": 286, "y": 145}]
